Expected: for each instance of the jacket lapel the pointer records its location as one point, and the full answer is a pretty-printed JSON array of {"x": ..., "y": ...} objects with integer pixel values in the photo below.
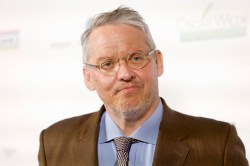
[
  {"x": 85, "y": 145},
  {"x": 170, "y": 150}
]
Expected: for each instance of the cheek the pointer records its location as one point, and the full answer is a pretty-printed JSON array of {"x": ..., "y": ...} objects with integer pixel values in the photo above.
[
  {"x": 151, "y": 78},
  {"x": 102, "y": 83}
]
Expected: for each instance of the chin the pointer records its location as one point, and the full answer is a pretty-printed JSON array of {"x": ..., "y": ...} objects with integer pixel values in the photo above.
[{"x": 132, "y": 110}]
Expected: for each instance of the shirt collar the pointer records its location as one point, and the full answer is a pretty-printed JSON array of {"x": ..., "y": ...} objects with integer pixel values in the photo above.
[{"x": 148, "y": 132}]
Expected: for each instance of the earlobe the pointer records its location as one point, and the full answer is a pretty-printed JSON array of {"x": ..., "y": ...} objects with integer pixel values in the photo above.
[
  {"x": 87, "y": 79},
  {"x": 159, "y": 63}
]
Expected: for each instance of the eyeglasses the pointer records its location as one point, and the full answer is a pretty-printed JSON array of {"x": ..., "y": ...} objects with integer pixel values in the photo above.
[{"x": 135, "y": 60}]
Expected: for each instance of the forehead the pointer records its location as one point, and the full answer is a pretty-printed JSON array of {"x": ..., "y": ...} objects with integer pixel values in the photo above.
[{"x": 115, "y": 39}]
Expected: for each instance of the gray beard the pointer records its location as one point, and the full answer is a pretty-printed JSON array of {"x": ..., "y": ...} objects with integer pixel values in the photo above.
[{"x": 133, "y": 113}]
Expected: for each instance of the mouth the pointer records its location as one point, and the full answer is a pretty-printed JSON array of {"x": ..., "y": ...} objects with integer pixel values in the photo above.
[{"x": 127, "y": 89}]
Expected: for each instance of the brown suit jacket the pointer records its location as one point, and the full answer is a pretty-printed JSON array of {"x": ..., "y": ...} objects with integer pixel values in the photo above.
[{"x": 182, "y": 140}]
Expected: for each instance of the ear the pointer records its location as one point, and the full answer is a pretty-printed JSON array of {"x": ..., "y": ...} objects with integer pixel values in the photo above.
[
  {"x": 87, "y": 79},
  {"x": 159, "y": 63}
]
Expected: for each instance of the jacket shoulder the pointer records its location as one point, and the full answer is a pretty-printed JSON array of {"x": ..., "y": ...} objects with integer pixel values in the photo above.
[
  {"x": 189, "y": 122},
  {"x": 202, "y": 122},
  {"x": 70, "y": 125}
]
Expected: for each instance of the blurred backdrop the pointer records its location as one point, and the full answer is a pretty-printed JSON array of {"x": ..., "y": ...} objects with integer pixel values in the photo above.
[{"x": 206, "y": 47}]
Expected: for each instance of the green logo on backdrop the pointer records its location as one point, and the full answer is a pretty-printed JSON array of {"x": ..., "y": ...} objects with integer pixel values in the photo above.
[{"x": 213, "y": 26}]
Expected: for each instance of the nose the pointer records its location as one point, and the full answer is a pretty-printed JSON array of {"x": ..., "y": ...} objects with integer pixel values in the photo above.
[{"x": 125, "y": 73}]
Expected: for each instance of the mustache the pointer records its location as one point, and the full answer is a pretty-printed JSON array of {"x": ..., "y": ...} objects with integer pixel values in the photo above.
[{"x": 122, "y": 86}]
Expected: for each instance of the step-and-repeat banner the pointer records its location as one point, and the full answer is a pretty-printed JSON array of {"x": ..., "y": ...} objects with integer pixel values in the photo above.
[{"x": 206, "y": 56}]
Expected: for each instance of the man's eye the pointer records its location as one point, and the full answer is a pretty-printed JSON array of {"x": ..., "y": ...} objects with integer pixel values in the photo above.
[
  {"x": 136, "y": 58},
  {"x": 107, "y": 65}
]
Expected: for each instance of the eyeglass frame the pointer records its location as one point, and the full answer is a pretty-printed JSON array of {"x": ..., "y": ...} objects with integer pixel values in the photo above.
[{"x": 126, "y": 59}]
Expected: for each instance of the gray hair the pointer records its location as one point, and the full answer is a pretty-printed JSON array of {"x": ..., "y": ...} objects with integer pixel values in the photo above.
[{"x": 121, "y": 15}]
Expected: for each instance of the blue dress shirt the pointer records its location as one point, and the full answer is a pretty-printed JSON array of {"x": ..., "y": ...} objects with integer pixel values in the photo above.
[{"x": 141, "y": 153}]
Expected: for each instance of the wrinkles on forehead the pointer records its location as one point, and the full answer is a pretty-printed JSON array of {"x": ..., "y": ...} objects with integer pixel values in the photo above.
[{"x": 111, "y": 41}]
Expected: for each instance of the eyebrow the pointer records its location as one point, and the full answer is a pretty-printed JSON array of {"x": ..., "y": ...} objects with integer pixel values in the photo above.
[{"x": 99, "y": 59}]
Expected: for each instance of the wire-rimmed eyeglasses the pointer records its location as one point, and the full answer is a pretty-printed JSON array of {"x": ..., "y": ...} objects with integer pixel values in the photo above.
[{"x": 135, "y": 60}]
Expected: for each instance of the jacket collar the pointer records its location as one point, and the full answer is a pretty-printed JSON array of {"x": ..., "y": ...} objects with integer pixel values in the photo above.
[
  {"x": 85, "y": 146},
  {"x": 170, "y": 150}
]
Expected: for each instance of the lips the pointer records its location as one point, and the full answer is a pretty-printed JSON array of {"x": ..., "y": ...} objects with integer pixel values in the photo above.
[{"x": 127, "y": 87}]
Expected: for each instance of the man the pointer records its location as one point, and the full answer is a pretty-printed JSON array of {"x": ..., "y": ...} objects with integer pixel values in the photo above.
[{"x": 123, "y": 65}]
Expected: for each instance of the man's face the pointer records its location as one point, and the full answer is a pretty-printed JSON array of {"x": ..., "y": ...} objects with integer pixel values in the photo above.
[{"x": 129, "y": 91}]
